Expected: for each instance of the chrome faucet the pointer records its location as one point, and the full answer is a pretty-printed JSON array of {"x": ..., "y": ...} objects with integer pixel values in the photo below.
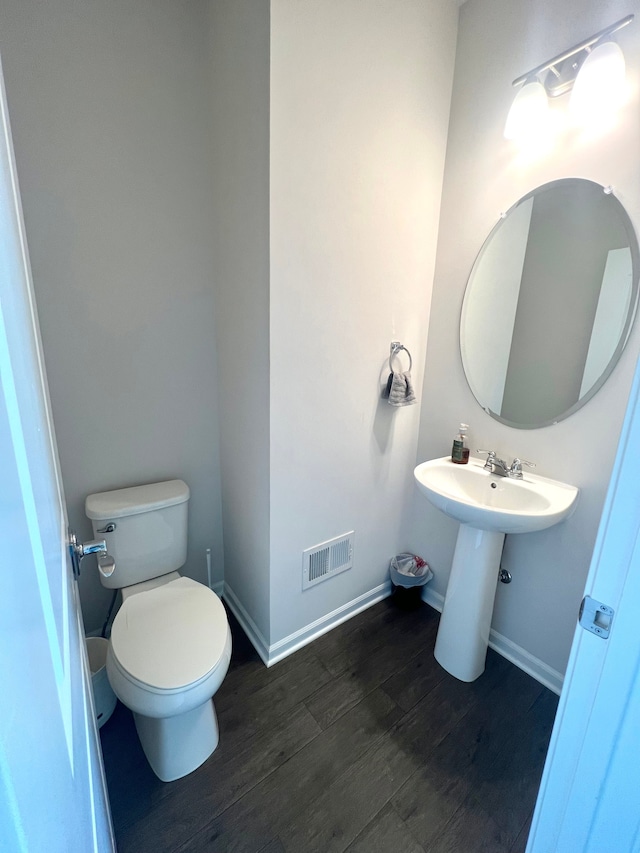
[
  {"x": 515, "y": 472},
  {"x": 494, "y": 464},
  {"x": 500, "y": 468}
]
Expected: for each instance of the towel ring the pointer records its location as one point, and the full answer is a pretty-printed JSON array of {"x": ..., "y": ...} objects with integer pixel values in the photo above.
[{"x": 395, "y": 348}]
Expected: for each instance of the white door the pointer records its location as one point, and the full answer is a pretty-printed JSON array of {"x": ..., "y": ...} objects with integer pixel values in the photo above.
[
  {"x": 52, "y": 788},
  {"x": 589, "y": 800}
]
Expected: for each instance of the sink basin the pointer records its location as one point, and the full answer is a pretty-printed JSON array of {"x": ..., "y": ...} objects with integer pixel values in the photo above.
[
  {"x": 474, "y": 496},
  {"x": 487, "y": 507}
]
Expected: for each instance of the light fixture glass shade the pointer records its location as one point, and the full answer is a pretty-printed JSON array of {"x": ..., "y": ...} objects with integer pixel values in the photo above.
[
  {"x": 600, "y": 85},
  {"x": 528, "y": 114}
]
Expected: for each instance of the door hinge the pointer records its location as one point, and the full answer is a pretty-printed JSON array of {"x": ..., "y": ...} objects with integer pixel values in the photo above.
[{"x": 596, "y": 616}]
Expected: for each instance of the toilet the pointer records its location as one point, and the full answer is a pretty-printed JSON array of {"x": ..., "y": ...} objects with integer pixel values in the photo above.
[{"x": 170, "y": 642}]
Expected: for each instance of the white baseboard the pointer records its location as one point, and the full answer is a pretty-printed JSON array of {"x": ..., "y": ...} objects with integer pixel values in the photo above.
[
  {"x": 536, "y": 668},
  {"x": 271, "y": 654},
  {"x": 246, "y": 622},
  {"x": 525, "y": 661},
  {"x": 218, "y": 588},
  {"x": 321, "y": 626}
]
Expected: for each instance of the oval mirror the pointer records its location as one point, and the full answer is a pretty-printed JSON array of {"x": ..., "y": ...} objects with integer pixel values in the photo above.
[{"x": 549, "y": 303}]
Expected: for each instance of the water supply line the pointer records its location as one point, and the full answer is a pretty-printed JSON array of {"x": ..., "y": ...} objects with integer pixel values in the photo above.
[{"x": 208, "y": 553}]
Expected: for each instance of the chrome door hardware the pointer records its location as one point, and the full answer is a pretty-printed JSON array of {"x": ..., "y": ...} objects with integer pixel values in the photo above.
[
  {"x": 93, "y": 546},
  {"x": 78, "y": 550},
  {"x": 596, "y": 617}
]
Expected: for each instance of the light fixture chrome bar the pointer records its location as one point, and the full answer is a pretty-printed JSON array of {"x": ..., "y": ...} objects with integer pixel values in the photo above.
[{"x": 583, "y": 45}]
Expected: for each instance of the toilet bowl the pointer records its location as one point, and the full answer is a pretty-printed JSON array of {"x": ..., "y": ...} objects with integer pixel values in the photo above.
[
  {"x": 168, "y": 654},
  {"x": 170, "y": 643}
]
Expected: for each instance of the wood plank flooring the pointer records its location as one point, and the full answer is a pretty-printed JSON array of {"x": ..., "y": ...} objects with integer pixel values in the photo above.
[{"x": 359, "y": 742}]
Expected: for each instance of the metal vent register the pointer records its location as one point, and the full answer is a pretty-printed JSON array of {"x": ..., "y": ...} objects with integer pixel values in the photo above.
[{"x": 327, "y": 559}]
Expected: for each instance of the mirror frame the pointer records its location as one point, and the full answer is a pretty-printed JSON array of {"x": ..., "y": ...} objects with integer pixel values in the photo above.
[{"x": 631, "y": 314}]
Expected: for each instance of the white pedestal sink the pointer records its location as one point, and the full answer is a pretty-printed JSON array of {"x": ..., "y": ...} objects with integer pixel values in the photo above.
[{"x": 487, "y": 507}]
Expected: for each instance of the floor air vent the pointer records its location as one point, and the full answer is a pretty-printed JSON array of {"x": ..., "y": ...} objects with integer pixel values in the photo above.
[{"x": 327, "y": 559}]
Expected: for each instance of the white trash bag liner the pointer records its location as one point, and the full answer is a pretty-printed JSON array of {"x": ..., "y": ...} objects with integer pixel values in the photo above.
[
  {"x": 409, "y": 570},
  {"x": 104, "y": 698}
]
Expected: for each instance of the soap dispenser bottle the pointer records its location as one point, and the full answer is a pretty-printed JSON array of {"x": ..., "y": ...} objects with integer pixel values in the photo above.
[{"x": 460, "y": 449}]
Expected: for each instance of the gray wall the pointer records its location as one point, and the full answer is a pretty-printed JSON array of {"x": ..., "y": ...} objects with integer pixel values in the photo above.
[
  {"x": 360, "y": 96},
  {"x": 239, "y": 73},
  {"x": 144, "y": 150},
  {"x": 328, "y": 171},
  {"x": 485, "y": 174},
  {"x": 110, "y": 115}
]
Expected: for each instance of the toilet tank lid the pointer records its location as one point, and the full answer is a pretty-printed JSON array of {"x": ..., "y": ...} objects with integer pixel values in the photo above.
[{"x": 135, "y": 500}]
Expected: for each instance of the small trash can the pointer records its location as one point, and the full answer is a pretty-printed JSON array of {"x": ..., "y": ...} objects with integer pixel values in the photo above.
[
  {"x": 409, "y": 573},
  {"x": 103, "y": 696}
]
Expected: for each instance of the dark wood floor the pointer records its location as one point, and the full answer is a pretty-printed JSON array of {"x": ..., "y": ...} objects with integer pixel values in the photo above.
[{"x": 359, "y": 742}]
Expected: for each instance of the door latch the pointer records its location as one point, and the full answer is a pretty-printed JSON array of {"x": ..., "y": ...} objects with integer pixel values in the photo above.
[
  {"x": 596, "y": 617},
  {"x": 78, "y": 550}
]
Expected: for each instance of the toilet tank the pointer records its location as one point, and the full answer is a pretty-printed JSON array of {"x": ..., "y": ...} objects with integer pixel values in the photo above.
[{"x": 145, "y": 528}]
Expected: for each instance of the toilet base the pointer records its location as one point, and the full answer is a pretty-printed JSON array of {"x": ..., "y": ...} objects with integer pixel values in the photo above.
[{"x": 176, "y": 746}]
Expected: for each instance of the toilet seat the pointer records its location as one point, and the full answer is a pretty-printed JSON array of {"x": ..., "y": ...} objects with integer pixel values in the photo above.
[{"x": 170, "y": 638}]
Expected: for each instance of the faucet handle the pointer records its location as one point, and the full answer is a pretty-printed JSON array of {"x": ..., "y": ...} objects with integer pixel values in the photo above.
[
  {"x": 516, "y": 467},
  {"x": 491, "y": 455}
]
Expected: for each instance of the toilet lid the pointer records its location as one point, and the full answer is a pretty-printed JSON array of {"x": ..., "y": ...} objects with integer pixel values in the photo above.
[{"x": 170, "y": 636}]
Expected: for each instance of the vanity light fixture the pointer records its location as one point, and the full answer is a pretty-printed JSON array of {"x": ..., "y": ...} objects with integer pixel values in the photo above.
[
  {"x": 529, "y": 112},
  {"x": 599, "y": 88},
  {"x": 593, "y": 69}
]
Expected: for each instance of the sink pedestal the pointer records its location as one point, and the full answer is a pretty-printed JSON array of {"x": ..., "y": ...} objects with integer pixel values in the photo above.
[
  {"x": 463, "y": 635},
  {"x": 487, "y": 508}
]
